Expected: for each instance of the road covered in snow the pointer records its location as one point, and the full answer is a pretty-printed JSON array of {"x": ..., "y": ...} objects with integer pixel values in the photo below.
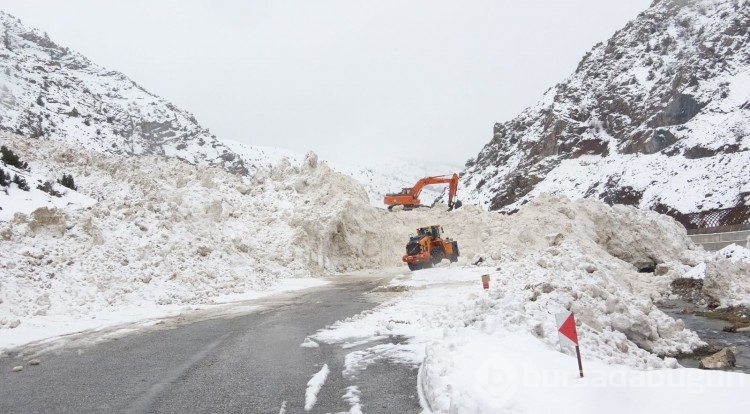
[{"x": 166, "y": 236}]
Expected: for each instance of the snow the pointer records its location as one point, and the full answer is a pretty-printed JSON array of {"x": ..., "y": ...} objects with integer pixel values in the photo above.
[
  {"x": 719, "y": 181},
  {"x": 52, "y": 92},
  {"x": 724, "y": 275},
  {"x": 377, "y": 177},
  {"x": 457, "y": 331},
  {"x": 615, "y": 97},
  {"x": 698, "y": 272},
  {"x": 735, "y": 253},
  {"x": 27, "y": 201},
  {"x": 149, "y": 238},
  {"x": 53, "y": 329},
  {"x": 164, "y": 233},
  {"x": 314, "y": 385},
  {"x": 309, "y": 343},
  {"x": 352, "y": 397},
  {"x": 165, "y": 236},
  {"x": 553, "y": 256},
  {"x": 516, "y": 373}
]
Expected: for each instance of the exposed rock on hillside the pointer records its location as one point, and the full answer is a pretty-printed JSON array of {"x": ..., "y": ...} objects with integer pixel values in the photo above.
[
  {"x": 657, "y": 117},
  {"x": 49, "y": 91}
]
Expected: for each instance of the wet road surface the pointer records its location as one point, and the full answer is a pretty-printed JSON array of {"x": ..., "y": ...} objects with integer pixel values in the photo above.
[{"x": 246, "y": 363}]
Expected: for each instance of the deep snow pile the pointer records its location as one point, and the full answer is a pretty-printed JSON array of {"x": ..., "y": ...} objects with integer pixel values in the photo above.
[
  {"x": 725, "y": 276},
  {"x": 167, "y": 232},
  {"x": 377, "y": 177},
  {"x": 557, "y": 255},
  {"x": 554, "y": 255}
]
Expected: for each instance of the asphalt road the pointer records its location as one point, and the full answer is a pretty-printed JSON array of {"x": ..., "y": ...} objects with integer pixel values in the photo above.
[{"x": 248, "y": 363}]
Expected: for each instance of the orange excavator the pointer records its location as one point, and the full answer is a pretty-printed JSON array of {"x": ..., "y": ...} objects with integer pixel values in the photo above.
[{"x": 409, "y": 197}]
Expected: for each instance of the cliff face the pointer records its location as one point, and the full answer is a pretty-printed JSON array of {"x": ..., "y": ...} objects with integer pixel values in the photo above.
[
  {"x": 49, "y": 91},
  {"x": 657, "y": 117}
]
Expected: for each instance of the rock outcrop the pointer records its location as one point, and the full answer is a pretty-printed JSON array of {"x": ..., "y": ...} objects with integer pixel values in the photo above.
[
  {"x": 658, "y": 117},
  {"x": 48, "y": 91}
]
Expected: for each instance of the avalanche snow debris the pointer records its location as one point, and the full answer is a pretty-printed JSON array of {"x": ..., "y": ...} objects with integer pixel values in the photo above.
[
  {"x": 166, "y": 232},
  {"x": 591, "y": 270}
]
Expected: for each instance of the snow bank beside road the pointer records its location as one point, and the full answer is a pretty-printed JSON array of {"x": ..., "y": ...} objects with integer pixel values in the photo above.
[
  {"x": 164, "y": 232},
  {"x": 483, "y": 373},
  {"x": 553, "y": 255}
]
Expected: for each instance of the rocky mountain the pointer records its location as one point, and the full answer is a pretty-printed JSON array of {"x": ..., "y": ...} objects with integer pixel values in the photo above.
[
  {"x": 49, "y": 91},
  {"x": 658, "y": 116}
]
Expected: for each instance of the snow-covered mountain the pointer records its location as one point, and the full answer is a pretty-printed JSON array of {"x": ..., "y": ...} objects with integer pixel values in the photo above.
[
  {"x": 49, "y": 91},
  {"x": 658, "y": 117}
]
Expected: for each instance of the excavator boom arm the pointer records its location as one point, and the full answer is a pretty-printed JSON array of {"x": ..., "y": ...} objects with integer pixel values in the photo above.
[
  {"x": 410, "y": 196},
  {"x": 438, "y": 179}
]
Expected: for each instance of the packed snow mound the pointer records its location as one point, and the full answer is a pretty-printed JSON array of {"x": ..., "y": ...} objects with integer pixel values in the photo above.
[
  {"x": 376, "y": 177},
  {"x": 728, "y": 282},
  {"x": 725, "y": 275},
  {"x": 735, "y": 253},
  {"x": 554, "y": 255},
  {"x": 167, "y": 232}
]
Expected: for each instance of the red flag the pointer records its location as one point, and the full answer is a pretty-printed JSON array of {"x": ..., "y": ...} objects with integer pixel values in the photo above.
[{"x": 568, "y": 328}]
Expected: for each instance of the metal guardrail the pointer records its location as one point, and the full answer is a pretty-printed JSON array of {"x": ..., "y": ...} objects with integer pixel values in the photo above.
[{"x": 719, "y": 229}]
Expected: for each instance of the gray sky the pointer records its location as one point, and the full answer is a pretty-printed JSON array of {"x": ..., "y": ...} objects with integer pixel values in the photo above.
[{"x": 348, "y": 78}]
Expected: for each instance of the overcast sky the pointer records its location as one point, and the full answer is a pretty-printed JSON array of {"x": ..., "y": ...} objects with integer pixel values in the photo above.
[{"x": 345, "y": 78}]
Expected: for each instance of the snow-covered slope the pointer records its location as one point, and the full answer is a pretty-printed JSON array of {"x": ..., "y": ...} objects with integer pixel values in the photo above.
[
  {"x": 41, "y": 192},
  {"x": 49, "y": 91},
  {"x": 658, "y": 117}
]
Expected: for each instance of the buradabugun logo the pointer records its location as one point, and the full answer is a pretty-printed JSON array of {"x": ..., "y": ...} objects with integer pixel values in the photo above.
[{"x": 497, "y": 380}]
